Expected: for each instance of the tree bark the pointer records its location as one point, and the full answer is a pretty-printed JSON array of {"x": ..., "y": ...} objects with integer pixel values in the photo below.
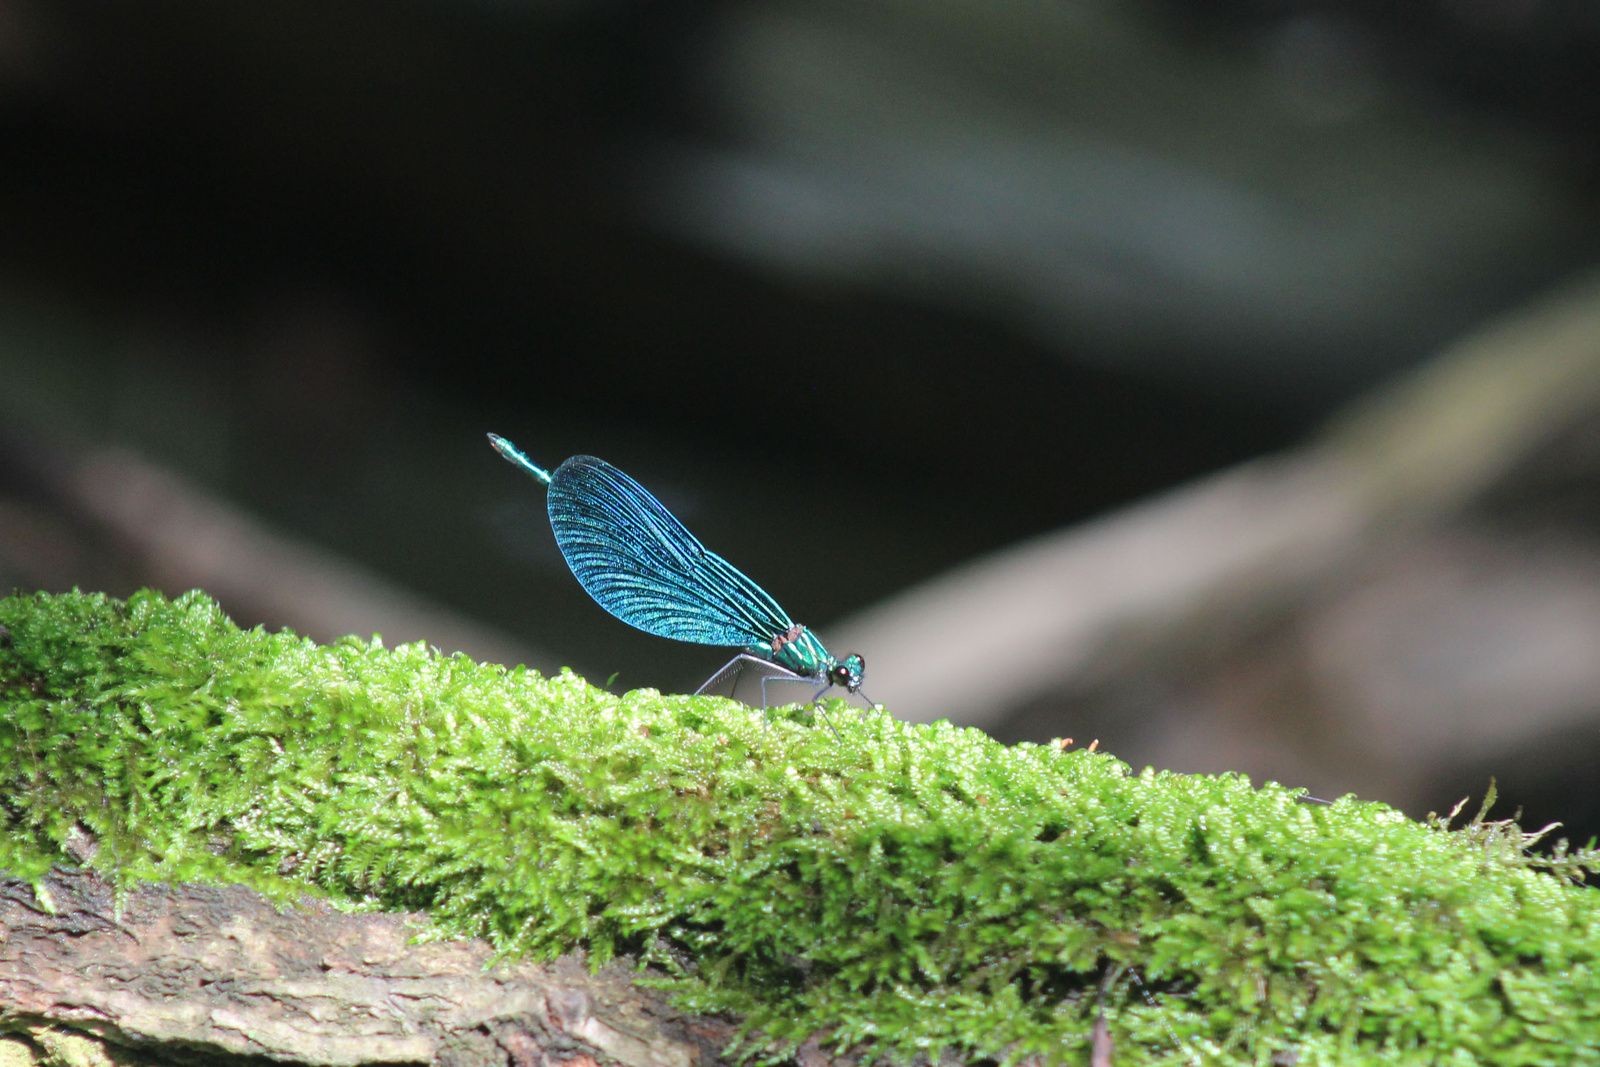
[{"x": 186, "y": 974}]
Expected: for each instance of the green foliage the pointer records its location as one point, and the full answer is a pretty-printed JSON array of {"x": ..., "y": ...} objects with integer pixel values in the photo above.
[{"x": 904, "y": 888}]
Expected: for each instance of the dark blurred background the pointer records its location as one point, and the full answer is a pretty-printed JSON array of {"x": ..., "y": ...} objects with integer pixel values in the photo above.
[{"x": 863, "y": 291}]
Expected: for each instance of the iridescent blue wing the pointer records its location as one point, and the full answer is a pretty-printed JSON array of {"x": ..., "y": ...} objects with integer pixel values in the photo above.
[{"x": 644, "y": 567}]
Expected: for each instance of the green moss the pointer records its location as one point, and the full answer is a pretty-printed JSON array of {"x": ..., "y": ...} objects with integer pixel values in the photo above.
[{"x": 905, "y": 888}]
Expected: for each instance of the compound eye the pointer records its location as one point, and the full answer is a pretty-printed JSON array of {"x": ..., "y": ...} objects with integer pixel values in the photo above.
[{"x": 839, "y": 675}]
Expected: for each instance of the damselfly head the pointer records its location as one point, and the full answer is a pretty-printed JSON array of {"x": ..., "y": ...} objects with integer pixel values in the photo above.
[{"x": 848, "y": 673}]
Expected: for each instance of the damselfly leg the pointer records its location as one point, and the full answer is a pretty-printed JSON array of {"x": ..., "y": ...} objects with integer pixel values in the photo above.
[
  {"x": 771, "y": 672},
  {"x": 735, "y": 669}
]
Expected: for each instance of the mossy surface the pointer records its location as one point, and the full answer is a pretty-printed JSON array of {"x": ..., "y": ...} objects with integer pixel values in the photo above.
[{"x": 905, "y": 888}]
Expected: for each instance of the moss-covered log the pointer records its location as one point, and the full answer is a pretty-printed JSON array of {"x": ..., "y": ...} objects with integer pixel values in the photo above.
[{"x": 894, "y": 890}]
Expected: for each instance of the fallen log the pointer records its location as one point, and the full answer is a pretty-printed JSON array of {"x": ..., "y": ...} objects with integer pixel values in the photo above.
[{"x": 186, "y": 973}]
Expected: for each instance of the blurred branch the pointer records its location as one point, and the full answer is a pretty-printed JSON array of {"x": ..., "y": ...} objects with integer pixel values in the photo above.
[
  {"x": 972, "y": 645},
  {"x": 189, "y": 539},
  {"x": 1205, "y": 561},
  {"x": 175, "y": 536},
  {"x": 1429, "y": 444}
]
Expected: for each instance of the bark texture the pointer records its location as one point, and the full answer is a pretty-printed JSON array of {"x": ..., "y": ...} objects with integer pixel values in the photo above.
[{"x": 194, "y": 974}]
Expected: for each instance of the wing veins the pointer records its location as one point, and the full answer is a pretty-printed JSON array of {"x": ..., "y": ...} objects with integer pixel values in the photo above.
[{"x": 644, "y": 566}]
